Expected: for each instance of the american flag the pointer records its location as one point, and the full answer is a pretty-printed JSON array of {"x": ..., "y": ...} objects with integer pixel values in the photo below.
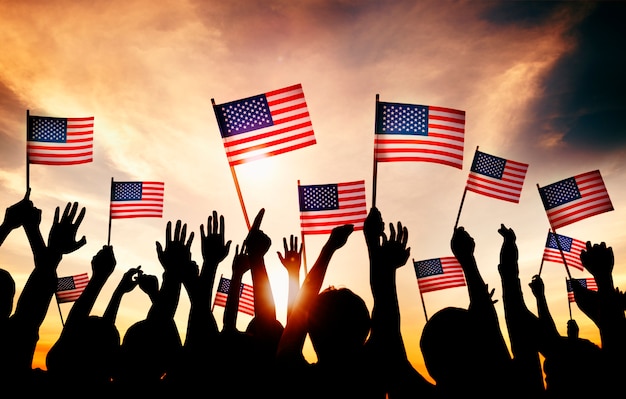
[
  {"x": 589, "y": 283},
  {"x": 69, "y": 288},
  {"x": 326, "y": 206},
  {"x": 576, "y": 198},
  {"x": 265, "y": 125},
  {"x": 571, "y": 250},
  {"x": 496, "y": 177},
  {"x": 439, "y": 273},
  {"x": 137, "y": 199},
  {"x": 59, "y": 141},
  {"x": 246, "y": 296},
  {"x": 407, "y": 132}
]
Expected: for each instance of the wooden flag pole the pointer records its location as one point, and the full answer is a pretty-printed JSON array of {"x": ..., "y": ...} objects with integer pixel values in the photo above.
[
  {"x": 375, "y": 168},
  {"x": 243, "y": 206},
  {"x": 27, "y": 160},
  {"x": 232, "y": 172},
  {"x": 458, "y": 215},
  {"x": 110, "y": 198}
]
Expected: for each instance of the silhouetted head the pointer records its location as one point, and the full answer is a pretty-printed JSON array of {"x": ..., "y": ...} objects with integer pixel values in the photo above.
[
  {"x": 7, "y": 294},
  {"x": 338, "y": 323},
  {"x": 451, "y": 352},
  {"x": 265, "y": 336},
  {"x": 147, "y": 351},
  {"x": 85, "y": 354}
]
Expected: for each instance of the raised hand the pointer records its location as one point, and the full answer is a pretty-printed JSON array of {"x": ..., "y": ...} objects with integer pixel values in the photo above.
[
  {"x": 177, "y": 249},
  {"x": 393, "y": 250},
  {"x": 508, "y": 253},
  {"x": 537, "y": 287},
  {"x": 293, "y": 255},
  {"x": 130, "y": 279},
  {"x": 241, "y": 261},
  {"x": 373, "y": 228},
  {"x": 149, "y": 284},
  {"x": 339, "y": 236},
  {"x": 103, "y": 263},
  {"x": 62, "y": 236},
  {"x": 462, "y": 244},
  {"x": 599, "y": 260},
  {"x": 21, "y": 213},
  {"x": 257, "y": 242},
  {"x": 214, "y": 247}
]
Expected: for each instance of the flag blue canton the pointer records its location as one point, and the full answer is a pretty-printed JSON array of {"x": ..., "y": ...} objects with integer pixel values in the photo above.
[
  {"x": 564, "y": 242},
  {"x": 127, "y": 191},
  {"x": 559, "y": 193},
  {"x": 46, "y": 129},
  {"x": 430, "y": 267},
  {"x": 488, "y": 165},
  {"x": 582, "y": 281},
  {"x": 245, "y": 115},
  {"x": 318, "y": 198},
  {"x": 65, "y": 283},
  {"x": 224, "y": 285},
  {"x": 395, "y": 118}
]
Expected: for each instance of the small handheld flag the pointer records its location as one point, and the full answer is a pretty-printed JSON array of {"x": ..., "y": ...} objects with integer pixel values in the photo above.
[
  {"x": 576, "y": 198},
  {"x": 246, "y": 296}
]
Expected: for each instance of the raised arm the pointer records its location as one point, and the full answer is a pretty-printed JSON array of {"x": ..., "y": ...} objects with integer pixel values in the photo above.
[
  {"x": 128, "y": 283},
  {"x": 202, "y": 328},
  {"x": 174, "y": 257},
  {"x": 521, "y": 324},
  {"x": 292, "y": 340},
  {"x": 102, "y": 266},
  {"x": 386, "y": 256},
  {"x": 258, "y": 243},
  {"x": 599, "y": 260},
  {"x": 15, "y": 216},
  {"x": 291, "y": 260},
  {"x": 241, "y": 264}
]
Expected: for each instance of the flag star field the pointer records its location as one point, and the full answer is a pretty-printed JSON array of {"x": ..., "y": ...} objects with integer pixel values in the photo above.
[
  {"x": 489, "y": 165},
  {"x": 560, "y": 193},
  {"x": 52, "y": 130},
  {"x": 246, "y": 115},
  {"x": 127, "y": 191},
  {"x": 319, "y": 198}
]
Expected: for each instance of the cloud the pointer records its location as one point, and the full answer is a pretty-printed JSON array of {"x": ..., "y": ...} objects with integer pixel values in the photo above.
[{"x": 584, "y": 94}]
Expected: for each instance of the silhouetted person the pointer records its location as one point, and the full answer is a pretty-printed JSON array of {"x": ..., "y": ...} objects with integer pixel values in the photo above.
[
  {"x": 87, "y": 350},
  {"x": 522, "y": 325},
  {"x": 20, "y": 332},
  {"x": 152, "y": 347},
  {"x": 464, "y": 349},
  {"x": 395, "y": 375},
  {"x": 574, "y": 367},
  {"x": 604, "y": 307},
  {"x": 194, "y": 375},
  {"x": 338, "y": 322}
]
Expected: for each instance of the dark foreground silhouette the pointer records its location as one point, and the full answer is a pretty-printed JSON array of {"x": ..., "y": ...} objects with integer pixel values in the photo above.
[{"x": 360, "y": 351}]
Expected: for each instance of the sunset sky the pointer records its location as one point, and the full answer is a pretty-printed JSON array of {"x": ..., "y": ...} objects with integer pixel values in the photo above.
[{"x": 541, "y": 83}]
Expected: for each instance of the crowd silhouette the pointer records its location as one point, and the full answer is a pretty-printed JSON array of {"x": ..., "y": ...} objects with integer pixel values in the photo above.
[{"x": 360, "y": 351}]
